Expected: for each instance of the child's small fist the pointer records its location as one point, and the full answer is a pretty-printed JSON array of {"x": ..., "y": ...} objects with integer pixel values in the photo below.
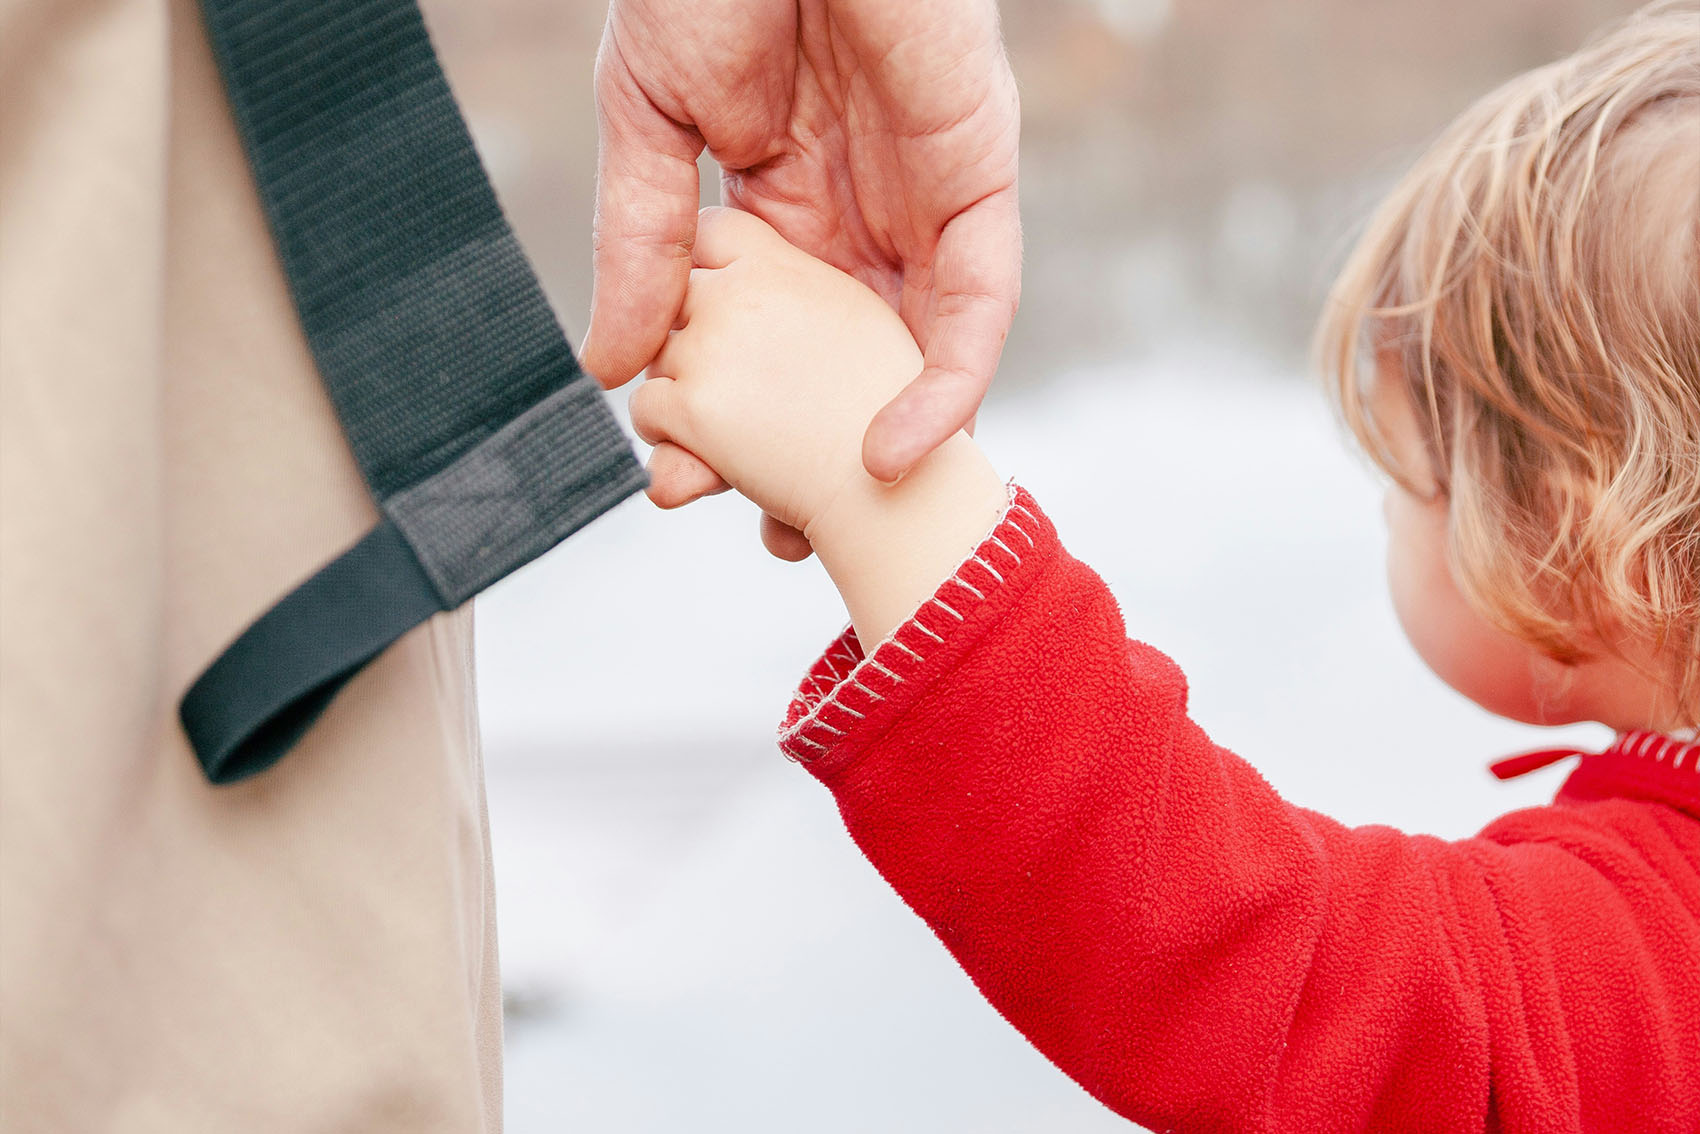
[{"x": 777, "y": 365}]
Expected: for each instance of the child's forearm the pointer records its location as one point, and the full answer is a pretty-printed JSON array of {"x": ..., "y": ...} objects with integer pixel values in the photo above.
[{"x": 888, "y": 547}]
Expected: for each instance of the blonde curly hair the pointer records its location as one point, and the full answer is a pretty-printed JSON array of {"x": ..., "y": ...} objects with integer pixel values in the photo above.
[{"x": 1534, "y": 285}]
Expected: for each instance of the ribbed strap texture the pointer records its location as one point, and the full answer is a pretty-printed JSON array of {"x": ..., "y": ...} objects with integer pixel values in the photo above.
[{"x": 483, "y": 441}]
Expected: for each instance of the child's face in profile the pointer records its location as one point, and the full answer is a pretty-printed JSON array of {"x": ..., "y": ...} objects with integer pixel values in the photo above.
[
  {"x": 1492, "y": 667},
  {"x": 1498, "y": 671}
]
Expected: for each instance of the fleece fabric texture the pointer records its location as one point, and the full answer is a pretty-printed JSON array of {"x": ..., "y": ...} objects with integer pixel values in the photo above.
[{"x": 1202, "y": 955}]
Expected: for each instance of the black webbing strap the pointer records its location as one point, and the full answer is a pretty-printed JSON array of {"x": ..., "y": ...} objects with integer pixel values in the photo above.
[{"x": 481, "y": 439}]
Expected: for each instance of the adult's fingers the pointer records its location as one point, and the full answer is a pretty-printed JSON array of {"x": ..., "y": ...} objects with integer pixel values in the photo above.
[
  {"x": 646, "y": 215},
  {"x": 784, "y": 541},
  {"x": 977, "y": 287},
  {"x": 677, "y": 477}
]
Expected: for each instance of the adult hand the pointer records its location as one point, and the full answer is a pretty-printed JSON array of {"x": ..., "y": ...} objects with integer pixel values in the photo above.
[{"x": 878, "y": 135}]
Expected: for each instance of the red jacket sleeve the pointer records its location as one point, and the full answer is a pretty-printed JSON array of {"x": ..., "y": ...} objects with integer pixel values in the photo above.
[{"x": 1200, "y": 954}]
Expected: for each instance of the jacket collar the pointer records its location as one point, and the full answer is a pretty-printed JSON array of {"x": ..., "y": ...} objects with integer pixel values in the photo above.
[{"x": 1652, "y": 766}]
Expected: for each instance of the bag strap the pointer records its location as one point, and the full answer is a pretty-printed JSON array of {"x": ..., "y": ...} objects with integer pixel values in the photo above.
[{"x": 478, "y": 434}]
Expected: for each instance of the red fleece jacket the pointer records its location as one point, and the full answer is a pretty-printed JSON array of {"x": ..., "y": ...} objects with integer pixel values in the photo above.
[{"x": 1200, "y": 954}]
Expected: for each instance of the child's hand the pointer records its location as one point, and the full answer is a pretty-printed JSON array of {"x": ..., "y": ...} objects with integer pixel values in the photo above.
[{"x": 777, "y": 366}]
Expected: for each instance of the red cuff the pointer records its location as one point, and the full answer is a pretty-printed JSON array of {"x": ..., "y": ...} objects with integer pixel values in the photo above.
[{"x": 851, "y": 698}]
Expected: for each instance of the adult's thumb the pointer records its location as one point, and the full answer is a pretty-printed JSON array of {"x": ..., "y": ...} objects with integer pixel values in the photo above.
[{"x": 646, "y": 217}]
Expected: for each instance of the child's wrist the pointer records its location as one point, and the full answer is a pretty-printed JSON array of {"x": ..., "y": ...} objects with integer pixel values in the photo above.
[{"x": 888, "y": 547}]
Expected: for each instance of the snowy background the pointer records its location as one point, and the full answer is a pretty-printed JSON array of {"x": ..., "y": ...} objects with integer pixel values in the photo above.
[{"x": 690, "y": 942}]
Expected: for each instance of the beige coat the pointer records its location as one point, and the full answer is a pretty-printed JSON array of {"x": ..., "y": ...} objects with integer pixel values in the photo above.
[{"x": 313, "y": 950}]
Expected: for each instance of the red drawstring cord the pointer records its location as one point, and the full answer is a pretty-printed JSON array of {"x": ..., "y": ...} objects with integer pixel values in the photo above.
[
  {"x": 1513, "y": 766},
  {"x": 1655, "y": 748}
]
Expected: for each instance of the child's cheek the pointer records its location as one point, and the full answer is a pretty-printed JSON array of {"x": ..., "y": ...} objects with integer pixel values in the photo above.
[{"x": 1489, "y": 666}]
